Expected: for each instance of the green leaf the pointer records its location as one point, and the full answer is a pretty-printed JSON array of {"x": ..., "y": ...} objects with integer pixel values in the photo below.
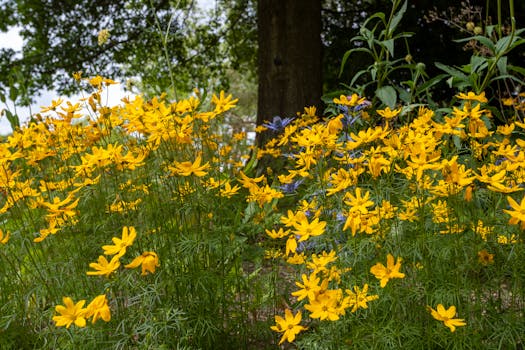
[
  {"x": 373, "y": 72},
  {"x": 13, "y": 93},
  {"x": 511, "y": 77},
  {"x": 517, "y": 69},
  {"x": 517, "y": 43},
  {"x": 389, "y": 45},
  {"x": 503, "y": 45},
  {"x": 502, "y": 65},
  {"x": 251, "y": 165},
  {"x": 387, "y": 95},
  {"x": 379, "y": 15},
  {"x": 396, "y": 19},
  {"x": 453, "y": 72},
  {"x": 480, "y": 38},
  {"x": 13, "y": 119},
  {"x": 457, "y": 141},
  {"x": 477, "y": 63},
  {"x": 347, "y": 55},
  {"x": 429, "y": 83},
  {"x": 357, "y": 75},
  {"x": 404, "y": 95}
]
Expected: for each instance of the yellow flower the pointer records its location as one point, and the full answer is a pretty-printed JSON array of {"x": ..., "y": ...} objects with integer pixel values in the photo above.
[
  {"x": 291, "y": 245},
  {"x": 4, "y": 239},
  {"x": 306, "y": 229},
  {"x": 485, "y": 258},
  {"x": 99, "y": 308},
  {"x": 277, "y": 234},
  {"x": 96, "y": 81},
  {"x": 388, "y": 114},
  {"x": 359, "y": 298},
  {"x": 309, "y": 288},
  {"x": 350, "y": 101},
  {"x": 471, "y": 96},
  {"x": 70, "y": 313},
  {"x": 446, "y": 316},
  {"x": 327, "y": 305},
  {"x": 358, "y": 203},
  {"x": 228, "y": 191},
  {"x": 222, "y": 104},
  {"x": 188, "y": 168},
  {"x": 148, "y": 260},
  {"x": 296, "y": 259},
  {"x": 54, "y": 105},
  {"x": 289, "y": 326},
  {"x": 103, "y": 267},
  {"x": 120, "y": 244},
  {"x": 518, "y": 214},
  {"x": 321, "y": 261},
  {"x": 77, "y": 75},
  {"x": 384, "y": 274}
]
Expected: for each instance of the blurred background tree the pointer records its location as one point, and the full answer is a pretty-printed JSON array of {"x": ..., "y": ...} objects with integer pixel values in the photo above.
[{"x": 173, "y": 46}]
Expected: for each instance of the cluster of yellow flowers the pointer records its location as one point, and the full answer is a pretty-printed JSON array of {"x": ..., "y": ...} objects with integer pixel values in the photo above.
[
  {"x": 50, "y": 167},
  {"x": 75, "y": 313},
  {"x": 148, "y": 260},
  {"x": 341, "y": 157}
]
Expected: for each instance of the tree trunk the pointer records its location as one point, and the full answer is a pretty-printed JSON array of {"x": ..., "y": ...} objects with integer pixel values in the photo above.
[{"x": 289, "y": 61}]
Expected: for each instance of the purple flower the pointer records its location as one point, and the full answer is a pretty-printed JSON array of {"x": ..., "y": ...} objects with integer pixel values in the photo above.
[{"x": 278, "y": 124}]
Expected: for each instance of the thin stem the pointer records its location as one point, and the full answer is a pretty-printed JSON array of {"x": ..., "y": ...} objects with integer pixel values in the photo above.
[
  {"x": 165, "y": 45},
  {"x": 500, "y": 24}
]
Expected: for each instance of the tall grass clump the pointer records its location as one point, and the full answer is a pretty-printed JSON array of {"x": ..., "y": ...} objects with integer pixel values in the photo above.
[{"x": 126, "y": 227}]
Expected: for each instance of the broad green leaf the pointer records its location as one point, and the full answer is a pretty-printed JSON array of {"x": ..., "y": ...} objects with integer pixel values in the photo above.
[
  {"x": 502, "y": 65},
  {"x": 13, "y": 93},
  {"x": 397, "y": 18},
  {"x": 404, "y": 95},
  {"x": 387, "y": 95},
  {"x": 478, "y": 63},
  {"x": 503, "y": 45}
]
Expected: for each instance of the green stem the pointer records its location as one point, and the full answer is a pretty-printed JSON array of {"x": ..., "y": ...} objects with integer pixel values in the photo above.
[
  {"x": 499, "y": 18},
  {"x": 165, "y": 45}
]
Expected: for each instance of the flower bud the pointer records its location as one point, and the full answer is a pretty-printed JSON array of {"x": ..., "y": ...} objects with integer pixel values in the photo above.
[
  {"x": 478, "y": 30},
  {"x": 470, "y": 26}
]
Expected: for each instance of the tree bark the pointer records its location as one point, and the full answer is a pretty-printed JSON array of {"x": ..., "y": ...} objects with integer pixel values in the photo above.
[{"x": 289, "y": 58}]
